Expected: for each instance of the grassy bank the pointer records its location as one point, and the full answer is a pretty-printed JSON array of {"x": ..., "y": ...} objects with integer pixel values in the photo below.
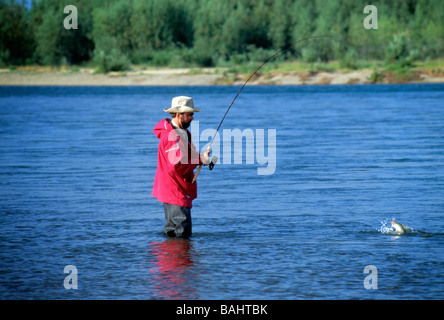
[
  {"x": 273, "y": 73},
  {"x": 382, "y": 72}
]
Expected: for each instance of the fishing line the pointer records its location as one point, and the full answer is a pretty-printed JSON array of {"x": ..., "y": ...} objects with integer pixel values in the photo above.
[
  {"x": 251, "y": 76},
  {"x": 243, "y": 86}
]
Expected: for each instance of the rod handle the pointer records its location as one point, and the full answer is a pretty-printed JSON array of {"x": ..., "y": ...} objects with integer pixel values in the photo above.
[{"x": 196, "y": 174}]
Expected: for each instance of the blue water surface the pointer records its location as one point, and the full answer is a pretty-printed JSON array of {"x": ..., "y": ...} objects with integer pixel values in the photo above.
[{"x": 77, "y": 166}]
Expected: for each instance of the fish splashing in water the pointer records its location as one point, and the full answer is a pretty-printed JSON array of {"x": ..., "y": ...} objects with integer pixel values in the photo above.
[{"x": 394, "y": 228}]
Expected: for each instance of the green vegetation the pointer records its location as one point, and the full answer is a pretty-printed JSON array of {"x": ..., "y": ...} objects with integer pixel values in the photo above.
[{"x": 112, "y": 35}]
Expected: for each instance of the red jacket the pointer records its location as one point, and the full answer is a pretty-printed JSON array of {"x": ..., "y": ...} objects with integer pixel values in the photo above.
[{"x": 176, "y": 160}]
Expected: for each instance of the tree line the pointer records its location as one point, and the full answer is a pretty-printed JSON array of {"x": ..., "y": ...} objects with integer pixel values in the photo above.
[{"x": 113, "y": 34}]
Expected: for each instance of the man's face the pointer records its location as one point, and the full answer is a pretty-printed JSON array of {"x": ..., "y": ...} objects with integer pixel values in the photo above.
[{"x": 186, "y": 118}]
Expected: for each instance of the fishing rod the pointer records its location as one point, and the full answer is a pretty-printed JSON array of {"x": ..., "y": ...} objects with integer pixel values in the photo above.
[{"x": 214, "y": 159}]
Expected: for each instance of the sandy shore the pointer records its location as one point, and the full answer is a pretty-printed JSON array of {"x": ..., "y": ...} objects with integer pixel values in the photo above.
[{"x": 185, "y": 76}]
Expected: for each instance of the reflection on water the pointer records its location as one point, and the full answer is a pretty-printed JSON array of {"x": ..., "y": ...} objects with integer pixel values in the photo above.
[{"x": 171, "y": 269}]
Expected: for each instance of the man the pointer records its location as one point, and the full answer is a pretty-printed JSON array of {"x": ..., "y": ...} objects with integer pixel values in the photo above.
[{"x": 176, "y": 160}]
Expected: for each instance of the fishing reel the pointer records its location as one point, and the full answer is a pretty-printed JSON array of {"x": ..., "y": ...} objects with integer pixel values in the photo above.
[{"x": 212, "y": 163}]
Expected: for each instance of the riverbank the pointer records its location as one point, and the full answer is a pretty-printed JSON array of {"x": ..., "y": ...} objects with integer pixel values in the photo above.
[{"x": 79, "y": 76}]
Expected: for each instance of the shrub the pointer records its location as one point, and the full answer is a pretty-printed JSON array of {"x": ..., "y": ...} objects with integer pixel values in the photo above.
[
  {"x": 115, "y": 60},
  {"x": 350, "y": 59}
]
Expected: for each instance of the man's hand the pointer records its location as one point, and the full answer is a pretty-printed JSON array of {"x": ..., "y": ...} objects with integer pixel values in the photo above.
[{"x": 205, "y": 157}]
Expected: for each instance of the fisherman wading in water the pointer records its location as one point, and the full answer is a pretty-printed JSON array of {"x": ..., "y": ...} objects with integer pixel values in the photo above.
[{"x": 176, "y": 160}]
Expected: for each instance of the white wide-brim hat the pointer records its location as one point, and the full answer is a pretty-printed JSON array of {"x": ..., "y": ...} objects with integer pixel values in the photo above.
[{"x": 182, "y": 104}]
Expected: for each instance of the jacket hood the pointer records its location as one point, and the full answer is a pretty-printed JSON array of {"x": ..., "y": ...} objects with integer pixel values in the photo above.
[{"x": 163, "y": 127}]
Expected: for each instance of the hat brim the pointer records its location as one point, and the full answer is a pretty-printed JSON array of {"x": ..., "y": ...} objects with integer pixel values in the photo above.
[{"x": 181, "y": 109}]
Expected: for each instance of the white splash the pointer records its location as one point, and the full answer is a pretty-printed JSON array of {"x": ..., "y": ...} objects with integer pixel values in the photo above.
[{"x": 388, "y": 228}]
